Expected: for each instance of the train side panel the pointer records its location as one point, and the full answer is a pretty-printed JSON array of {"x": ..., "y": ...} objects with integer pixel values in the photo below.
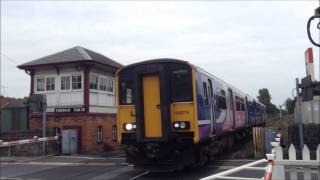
[{"x": 238, "y": 112}]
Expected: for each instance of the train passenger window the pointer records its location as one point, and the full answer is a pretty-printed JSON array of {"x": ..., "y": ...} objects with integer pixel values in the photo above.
[
  {"x": 205, "y": 94},
  {"x": 221, "y": 100},
  {"x": 242, "y": 104},
  {"x": 238, "y": 103},
  {"x": 181, "y": 85},
  {"x": 210, "y": 88},
  {"x": 126, "y": 93}
]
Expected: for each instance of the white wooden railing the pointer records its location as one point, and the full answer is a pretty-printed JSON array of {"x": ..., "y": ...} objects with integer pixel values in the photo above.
[
  {"x": 11, "y": 149},
  {"x": 292, "y": 166},
  {"x": 277, "y": 167}
]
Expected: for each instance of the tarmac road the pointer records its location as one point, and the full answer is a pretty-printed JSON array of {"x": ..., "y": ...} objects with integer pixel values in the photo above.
[{"x": 95, "y": 168}]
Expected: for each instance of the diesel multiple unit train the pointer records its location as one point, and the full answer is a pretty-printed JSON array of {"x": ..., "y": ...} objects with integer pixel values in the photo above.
[{"x": 174, "y": 114}]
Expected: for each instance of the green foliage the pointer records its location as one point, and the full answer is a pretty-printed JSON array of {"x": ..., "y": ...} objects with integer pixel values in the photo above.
[
  {"x": 290, "y": 104},
  {"x": 265, "y": 98}
]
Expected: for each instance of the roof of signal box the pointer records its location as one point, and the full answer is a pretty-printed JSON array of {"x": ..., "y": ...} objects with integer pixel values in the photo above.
[{"x": 74, "y": 54}]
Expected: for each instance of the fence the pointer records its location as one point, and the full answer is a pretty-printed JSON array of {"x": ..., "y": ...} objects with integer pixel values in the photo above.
[
  {"x": 29, "y": 147},
  {"x": 292, "y": 168},
  {"x": 279, "y": 168},
  {"x": 28, "y": 134},
  {"x": 258, "y": 141}
]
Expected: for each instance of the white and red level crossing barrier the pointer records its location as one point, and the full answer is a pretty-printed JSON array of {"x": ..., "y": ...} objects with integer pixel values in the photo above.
[
  {"x": 268, "y": 173},
  {"x": 271, "y": 157},
  {"x": 251, "y": 166},
  {"x": 27, "y": 141}
]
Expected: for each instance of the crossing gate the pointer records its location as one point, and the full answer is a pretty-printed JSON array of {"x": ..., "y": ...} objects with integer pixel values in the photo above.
[
  {"x": 278, "y": 168},
  {"x": 11, "y": 149}
]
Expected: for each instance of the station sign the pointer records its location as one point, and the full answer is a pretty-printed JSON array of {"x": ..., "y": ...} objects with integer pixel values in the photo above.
[{"x": 70, "y": 110}]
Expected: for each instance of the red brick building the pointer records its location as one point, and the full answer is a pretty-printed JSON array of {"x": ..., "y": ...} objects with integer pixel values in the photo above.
[{"x": 80, "y": 88}]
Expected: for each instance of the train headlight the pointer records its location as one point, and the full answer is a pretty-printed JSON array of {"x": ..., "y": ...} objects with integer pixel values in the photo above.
[
  {"x": 176, "y": 125},
  {"x": 181, "y": 125},
  {"x": 129, "y": 126}
]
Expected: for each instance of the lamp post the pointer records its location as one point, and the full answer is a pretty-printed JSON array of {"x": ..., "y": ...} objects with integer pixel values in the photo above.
[{"x": 315, "y": 16}]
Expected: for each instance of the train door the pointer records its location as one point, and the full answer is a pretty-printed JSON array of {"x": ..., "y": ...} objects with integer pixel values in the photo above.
[
  {"x": 254, "y": 113},
  {"x": 247, "y": 110},
  {"x": 232, "y": 110},
  {"x": 211, "y": 104},
  {"x": 151, "y": 104}
]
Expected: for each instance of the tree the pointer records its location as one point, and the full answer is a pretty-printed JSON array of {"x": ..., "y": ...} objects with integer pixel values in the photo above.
[
  {"x": 264, "y": 96},
  {"x": 290, "y": 104}
]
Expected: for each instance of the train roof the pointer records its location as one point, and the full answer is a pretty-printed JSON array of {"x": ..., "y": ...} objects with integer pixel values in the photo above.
[
  {"x": 159, "y": 60},
  {"x": 172, "y": 60}
]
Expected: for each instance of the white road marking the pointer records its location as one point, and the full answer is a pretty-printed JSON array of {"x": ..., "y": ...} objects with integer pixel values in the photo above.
[
  {"x": 136, "y": 177},
  {"x": 87, "y": 157},
  {"x": 116, "y": 158},
  {"x": 8, "y": 178},
  {"x": 112, "y": 174},
  {"x": 234, "y": 160},
  {"x": 64, "y": 163},
  {"x": 124, "y": 163},
  {"x": 222, "y": 167},
  {"x": 79, "y": 157}
]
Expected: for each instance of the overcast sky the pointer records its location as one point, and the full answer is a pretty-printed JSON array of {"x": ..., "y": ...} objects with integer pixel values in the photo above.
[{"x": 249, "y": 44}]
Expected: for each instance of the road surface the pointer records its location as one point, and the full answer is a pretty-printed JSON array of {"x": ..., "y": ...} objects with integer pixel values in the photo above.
[{"x": 95, "y": 168}]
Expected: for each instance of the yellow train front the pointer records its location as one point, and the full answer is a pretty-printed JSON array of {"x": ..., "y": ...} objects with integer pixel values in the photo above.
[
  {"x": 172, "y": 114},
  {"x": 156, "y": 117}
]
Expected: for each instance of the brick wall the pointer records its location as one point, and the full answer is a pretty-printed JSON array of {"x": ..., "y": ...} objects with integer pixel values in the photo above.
[{"x": 85, "y": 123}]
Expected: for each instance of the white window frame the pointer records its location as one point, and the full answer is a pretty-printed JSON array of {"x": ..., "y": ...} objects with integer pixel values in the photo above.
[
  {"x": 101, "y": 78},
  {"x": 36, "y": 84},
  {"x": 70, "y": 82},
  {"x": 111, "y": 79},
  {"x": 114, "y": 132},
  {"x": 99, "y": 134},
  {"x": 98, "y": 83},
  {"x": 82, "y": 80},
  {"x": 45, "y": 76},
  {"x": 54, "y": 81},
  {"x": 108, "y": 78}
]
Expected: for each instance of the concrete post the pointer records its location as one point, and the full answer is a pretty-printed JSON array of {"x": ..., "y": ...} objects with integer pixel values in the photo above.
[{"x": 44, "y": 122}]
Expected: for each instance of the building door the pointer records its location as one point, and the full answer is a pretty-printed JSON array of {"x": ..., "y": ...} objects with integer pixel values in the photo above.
[
  {"x": 69, "y": 141},
  {"x": 151, "y": 104}
]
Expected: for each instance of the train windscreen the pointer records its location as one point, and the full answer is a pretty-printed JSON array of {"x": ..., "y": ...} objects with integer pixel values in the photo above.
[
  {"x": 181, "y": 84},
  {"x": 126, "y": 93}
]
